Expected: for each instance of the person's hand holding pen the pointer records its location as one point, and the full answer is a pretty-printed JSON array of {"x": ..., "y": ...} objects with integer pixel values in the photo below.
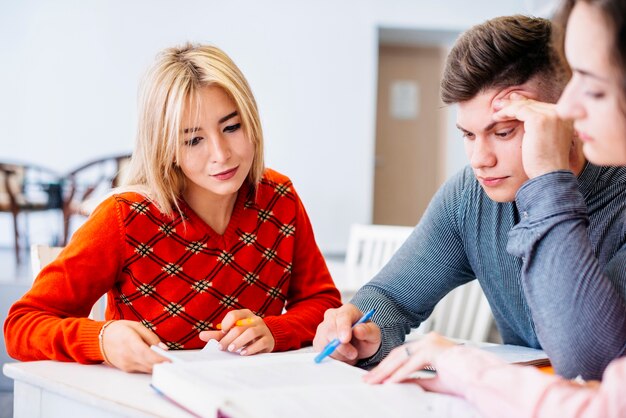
[
  {"x": 242, "y": 330},
  {"x": 359, "y": 342}
]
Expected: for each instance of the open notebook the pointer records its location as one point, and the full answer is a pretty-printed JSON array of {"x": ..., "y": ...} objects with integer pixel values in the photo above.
[{"x": 290, "y": 385}]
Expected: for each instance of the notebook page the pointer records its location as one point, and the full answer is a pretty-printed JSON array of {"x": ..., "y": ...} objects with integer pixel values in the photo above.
[
  {"x": 268, "y": 372},
  {"x": 289, "y": 385},
  {"x": 210, "y": 352},
  {"x": 358, "y": 401},
  {"x": 517, "y": 354}
]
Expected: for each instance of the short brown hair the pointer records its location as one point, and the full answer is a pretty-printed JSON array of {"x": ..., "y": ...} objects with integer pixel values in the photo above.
[{"x": 501, "y": 52}]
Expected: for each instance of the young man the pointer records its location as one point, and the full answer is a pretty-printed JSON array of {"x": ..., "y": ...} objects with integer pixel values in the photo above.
[{"x": 504, "y": 75}]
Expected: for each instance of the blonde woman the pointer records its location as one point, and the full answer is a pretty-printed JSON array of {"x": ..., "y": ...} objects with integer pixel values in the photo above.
[
  {"x": 595, "y": 100},
  {"x": 202, "y": 243}
]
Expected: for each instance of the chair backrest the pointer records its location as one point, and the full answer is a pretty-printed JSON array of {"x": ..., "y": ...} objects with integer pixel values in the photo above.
[
  {"x": 42, "y": 255},
  {"x": 123, "y": 163},
  {"x": 369, "y": 248},
  {"x": 87, "y": 184},
  {"x": 463, "y": 313},
  {"x": 26, "y": 186},
  {"x": 11, "y": 185}
]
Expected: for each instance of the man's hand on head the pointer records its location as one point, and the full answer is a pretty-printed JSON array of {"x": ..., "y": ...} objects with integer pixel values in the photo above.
[{"x": 548, "y": 142}]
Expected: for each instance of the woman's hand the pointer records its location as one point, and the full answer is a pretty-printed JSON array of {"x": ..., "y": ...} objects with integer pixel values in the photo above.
[
  {"x": 242, "y": 330},
  {"x": 409, "y": 358},
  {"x": 126, "y": 345}
]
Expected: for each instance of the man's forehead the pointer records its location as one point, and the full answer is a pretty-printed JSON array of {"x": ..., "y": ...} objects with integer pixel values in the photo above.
[
  {"x": 530, "y": 89},
  {"x": 476, "y": 114}
]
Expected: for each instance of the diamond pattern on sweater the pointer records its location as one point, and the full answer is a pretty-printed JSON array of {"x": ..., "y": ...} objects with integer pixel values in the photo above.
[
  {"x": 195, "y": 247},
  {"x": 282, "y": 189},
  {"x": 148, "y": 325},
  {"x": 172, "y": 269},
  {"x": 145, "y": 289},
  {"x": 226, "y": 258},
  {"x": 248, "y": 238},
  {"x": 265, "y": 215},
  {"x": 167, "y": 229},
  {"x": 174, "y": 308},
  {"x": 143, "y": 249},
  {"x": 229, "y": 301},
  {"x": 287, "y": 230},
  {"x": 201, "y": 286},
  {"x": 195, "y": 276},
  {"x": 202, "y": 326},
  {"x": 140, "y": 207}
]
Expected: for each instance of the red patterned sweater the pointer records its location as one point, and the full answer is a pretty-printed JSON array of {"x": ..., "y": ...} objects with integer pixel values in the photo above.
[{"x": 177, "y": 276}]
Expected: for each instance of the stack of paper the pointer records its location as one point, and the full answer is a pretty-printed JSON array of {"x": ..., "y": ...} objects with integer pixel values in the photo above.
[
  {"x": 292, "y": 385},
  {"x": 516, "y": 354}
]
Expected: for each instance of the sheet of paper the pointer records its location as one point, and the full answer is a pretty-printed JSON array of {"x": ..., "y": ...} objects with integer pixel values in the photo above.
[
  {"x": 516, "y": 354},
  {"x": 277, "y": 385},
  {"x": 274, "y": 371},
  {"x": 359, "y": 401},
  {"x": 210, "y": 352}
]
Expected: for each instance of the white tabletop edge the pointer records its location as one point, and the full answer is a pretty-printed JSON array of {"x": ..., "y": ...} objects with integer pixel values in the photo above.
[{"x": 88, "y": 384}]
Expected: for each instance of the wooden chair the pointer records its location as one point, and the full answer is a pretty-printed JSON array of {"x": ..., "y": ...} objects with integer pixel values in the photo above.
[
  {"x": 87, "y": 184},
  {"x": 42, "y": 255},
  {"x": 464, "y": 313},
  {"x": 26, "y": 188}
]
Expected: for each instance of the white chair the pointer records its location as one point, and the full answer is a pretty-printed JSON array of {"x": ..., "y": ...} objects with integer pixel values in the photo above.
[
  {"x": 42, "y": 255},
  {"x": 464, "y": 313},
  {"x": 369, "y": 248}
]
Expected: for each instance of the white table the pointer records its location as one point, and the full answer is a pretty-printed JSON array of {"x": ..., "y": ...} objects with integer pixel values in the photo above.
[
  {"x": 53, "y": 389},
  {"x": 10, "y": 291},
  {"x": 50, "y": 389}
]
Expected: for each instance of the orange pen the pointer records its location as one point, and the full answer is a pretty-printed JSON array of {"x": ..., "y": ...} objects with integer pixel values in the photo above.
[{"x": 239, "y": 323}]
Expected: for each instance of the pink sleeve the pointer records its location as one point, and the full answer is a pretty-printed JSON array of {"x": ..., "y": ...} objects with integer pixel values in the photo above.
[{"x": 498, "y": 389}]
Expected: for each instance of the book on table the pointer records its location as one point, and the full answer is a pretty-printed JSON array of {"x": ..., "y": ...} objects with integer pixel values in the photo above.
[
  {"x": 211, "y": 383},
  {"x": 512, "y": 354},
  {"x": 515, "y": 354}
]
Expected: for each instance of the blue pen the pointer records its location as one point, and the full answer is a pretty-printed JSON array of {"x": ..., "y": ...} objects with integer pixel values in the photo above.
[{"x": 331, "y": 346}]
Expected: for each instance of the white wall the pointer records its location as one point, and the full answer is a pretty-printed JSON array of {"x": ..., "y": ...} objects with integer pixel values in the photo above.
[{"x": 70, "y": 70}]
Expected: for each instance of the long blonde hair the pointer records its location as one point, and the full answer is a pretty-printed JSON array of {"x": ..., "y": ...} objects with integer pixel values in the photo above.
[{"x": 171, "y": 85}]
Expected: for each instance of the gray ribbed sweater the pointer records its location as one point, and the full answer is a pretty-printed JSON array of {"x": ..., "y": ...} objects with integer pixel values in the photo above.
[{"x": 561, "y": 286}]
